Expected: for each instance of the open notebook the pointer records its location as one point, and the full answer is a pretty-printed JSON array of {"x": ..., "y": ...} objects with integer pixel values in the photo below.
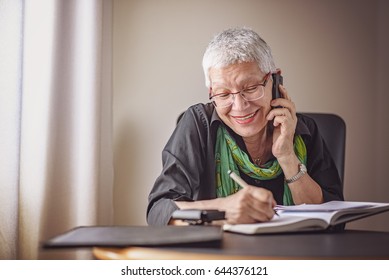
[{"x": 308, "y": 217}]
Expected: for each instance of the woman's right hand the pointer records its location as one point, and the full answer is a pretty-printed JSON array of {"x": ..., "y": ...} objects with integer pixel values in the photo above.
[{"x": 249, "y": 205}]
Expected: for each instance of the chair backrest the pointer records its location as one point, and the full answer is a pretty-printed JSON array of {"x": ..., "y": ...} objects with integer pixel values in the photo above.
[{"x": 333, "y": 130}]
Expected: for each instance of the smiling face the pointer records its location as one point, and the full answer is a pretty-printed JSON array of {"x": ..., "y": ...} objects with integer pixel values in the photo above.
[{"x": 246, "y": 118}]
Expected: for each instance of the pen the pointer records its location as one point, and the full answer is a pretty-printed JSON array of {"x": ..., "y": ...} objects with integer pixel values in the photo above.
[
  {"x": 237, "y": 179},
  {"x": 240, "y": 182}
]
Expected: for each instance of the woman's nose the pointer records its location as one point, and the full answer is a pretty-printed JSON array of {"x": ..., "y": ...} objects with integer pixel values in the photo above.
[{"x": 238, "y": 102}]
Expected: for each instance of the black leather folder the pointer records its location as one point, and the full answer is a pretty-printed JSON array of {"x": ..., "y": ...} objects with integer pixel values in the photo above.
[{"x": 123, "y": 236}]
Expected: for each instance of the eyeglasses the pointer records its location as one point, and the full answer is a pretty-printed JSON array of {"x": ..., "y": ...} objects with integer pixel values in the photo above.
[{"x": 251, "y": 93}]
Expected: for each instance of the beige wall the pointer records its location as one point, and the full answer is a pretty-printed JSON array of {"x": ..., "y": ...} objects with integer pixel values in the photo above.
[{"x": 334, "y": 59}]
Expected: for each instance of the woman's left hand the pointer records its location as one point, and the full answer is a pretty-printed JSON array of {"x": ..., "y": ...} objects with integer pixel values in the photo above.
[{"x": 284, "y": 121}]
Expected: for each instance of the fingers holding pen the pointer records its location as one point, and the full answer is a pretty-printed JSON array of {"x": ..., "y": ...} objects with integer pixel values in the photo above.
[
  {"x": 250, "y": 205},
  {"x": 262, "y": 202}
]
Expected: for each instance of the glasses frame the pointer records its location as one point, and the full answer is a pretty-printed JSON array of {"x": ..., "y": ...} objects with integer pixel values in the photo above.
[{"x": 263, "y": 84}]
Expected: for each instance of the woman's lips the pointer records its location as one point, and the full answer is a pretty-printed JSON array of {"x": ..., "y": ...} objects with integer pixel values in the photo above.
[{"x": 245, "y": 119}]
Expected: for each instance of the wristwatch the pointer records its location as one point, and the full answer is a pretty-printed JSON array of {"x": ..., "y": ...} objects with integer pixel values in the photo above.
[{"x": 302, "y": 171}]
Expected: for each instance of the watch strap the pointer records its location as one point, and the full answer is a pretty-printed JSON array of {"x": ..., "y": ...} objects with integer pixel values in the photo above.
[{"x": 302, "y": 171}]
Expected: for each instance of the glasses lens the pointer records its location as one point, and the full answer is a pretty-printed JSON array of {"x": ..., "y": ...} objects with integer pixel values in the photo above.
[
  {"x": 253, "y": 93},
  {"x": 223, "y": 100}
]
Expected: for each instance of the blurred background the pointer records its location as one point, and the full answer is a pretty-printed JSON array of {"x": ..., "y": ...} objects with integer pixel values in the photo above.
[{"x": 333, "y": 55}]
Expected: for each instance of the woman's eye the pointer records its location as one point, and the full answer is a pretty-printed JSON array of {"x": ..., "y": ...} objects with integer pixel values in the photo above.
[
  {"x": 251, "y": 89},
  {"x": 223, "y": 95}
]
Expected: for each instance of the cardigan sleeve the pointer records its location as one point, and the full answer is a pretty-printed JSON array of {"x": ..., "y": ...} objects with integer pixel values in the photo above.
[{"x": 184, "y": 159}]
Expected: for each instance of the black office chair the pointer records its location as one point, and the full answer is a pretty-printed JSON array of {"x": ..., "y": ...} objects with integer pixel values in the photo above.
[{"x": 333, "y": 130}]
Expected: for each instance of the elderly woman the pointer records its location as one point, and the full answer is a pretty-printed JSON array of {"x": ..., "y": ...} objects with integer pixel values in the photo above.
[{"x": 278, "y": 153}]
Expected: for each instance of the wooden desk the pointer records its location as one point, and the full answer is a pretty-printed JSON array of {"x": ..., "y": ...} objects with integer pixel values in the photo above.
[{"x": 350, "y": 244}]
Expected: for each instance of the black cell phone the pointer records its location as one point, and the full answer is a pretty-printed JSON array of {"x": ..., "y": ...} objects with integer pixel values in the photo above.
[
  {"x": 277, "y": 80},
  {"x": 198, "y": 217}
]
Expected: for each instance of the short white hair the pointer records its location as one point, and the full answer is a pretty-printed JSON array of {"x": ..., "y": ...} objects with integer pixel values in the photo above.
[{"x": 237, "y": 45}]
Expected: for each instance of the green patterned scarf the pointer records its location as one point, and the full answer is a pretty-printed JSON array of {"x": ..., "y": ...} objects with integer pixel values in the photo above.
[{"x": 229, "y": 156}]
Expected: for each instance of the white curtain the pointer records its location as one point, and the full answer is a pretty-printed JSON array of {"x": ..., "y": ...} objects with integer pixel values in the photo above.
[{"x": 56, "y": 168}]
